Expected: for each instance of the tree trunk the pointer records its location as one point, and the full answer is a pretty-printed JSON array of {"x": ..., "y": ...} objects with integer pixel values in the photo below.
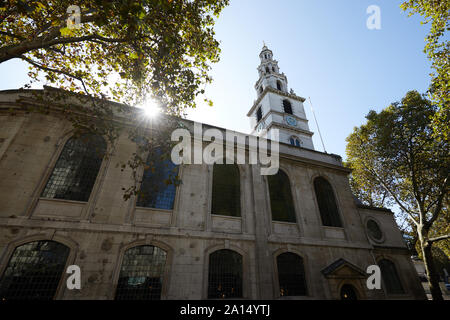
[{"x": 433, "y": 277}]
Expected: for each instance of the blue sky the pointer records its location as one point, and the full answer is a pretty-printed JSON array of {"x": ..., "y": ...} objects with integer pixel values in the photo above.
[{"x": 325, "y": 50}]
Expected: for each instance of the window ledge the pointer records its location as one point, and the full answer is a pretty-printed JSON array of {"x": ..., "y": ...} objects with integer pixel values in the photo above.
[{"x": 63, "y": 200}]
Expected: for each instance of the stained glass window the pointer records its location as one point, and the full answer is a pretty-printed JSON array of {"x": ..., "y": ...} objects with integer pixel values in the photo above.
[
  {"x": 34, "y": 271},
  {"x": 159, "y": 183},
  {"x": 76, "y": 169},
  {"x": 141, "y": 274},
  {"x": 327, "y": 203},
  {"x": 226, "y": 193},
  {"x": 225, "y": 275},
  {"x": 291, "y": 275},
  {"x": 281, "y": 201}
]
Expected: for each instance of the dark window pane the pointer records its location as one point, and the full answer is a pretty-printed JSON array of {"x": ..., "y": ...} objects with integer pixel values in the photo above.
[
  {"x": 225, "y": 275},
  {"x": 287, "y": 106},
  {"x": 327, "y": 203},
  {"x": 278, "y": 84},
  {"x": 141, "y": 274},
  {"x": 226, "y": 192},
  {"x": 34, "y": 271},
  {"x": 291, "y": 275},
  {"x": 292, "y": 140},
  {"x": 281, "y": 198},
  {"x": 259, "y": 114},
  {"x": 158, "y": 187},
  {"x": 76, "y": 170},
  {"x": 374, "y": 230},
  {"x": 390, "y": 277}
]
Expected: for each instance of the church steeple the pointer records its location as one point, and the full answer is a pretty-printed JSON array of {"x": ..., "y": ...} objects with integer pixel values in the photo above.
[
  {"x": 276, "y": 107},
  {"x": 269, "y": 73}
]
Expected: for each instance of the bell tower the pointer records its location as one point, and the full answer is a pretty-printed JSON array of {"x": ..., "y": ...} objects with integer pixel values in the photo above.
[{"x": 278, "y": 108}]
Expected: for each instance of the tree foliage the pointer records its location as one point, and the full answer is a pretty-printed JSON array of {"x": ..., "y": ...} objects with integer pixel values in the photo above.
[
  {"x": 121, "y": 50},
  {"x": 396, "y": 153},
  {"x": 437, "y": 12}
]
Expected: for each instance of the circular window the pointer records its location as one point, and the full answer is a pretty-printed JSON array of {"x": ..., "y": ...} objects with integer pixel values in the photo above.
[{"x": 374, "y": 230}]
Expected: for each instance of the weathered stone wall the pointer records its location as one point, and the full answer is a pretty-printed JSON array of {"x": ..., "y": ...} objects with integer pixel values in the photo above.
[{"x": 98, "y": 232}]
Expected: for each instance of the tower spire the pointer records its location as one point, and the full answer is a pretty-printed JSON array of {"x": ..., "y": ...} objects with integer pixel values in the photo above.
[{"x": 276, "y": 108}]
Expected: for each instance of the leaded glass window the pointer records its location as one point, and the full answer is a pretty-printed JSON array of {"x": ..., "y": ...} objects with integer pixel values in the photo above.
[
  {"x": 327, "y": 203},
  {"x": 34, "y": 271},
  {"x": 226, "y": 191},
  {"x": 159, "y": 182},
  {"x": 390, "y": 277},
  {"x": 225, "y": 275},
  {"x": 141, "y": 274},
  {"x": 76, "y": 170},
  {"x": 281, "y": 201},
  {"x": 287, "y": 106},
  {"x": 291, "y": 275}
]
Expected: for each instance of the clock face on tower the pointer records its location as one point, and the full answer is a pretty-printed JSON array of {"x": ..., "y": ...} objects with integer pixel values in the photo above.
[{"x": 291, "y": 121}]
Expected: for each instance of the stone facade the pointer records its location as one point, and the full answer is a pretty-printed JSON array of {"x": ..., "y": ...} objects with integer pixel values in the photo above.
[{"x": 99, "y": 231}]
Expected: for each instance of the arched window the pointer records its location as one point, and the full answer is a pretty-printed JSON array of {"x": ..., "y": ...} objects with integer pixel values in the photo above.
[
  {"x": 281, "y": 198},
  {"x": 295, "y": 141},
  {"x": 261, "y": 89},
  {"x": 267, "y": 70},
  {"x": 34, "y": 271},
  {"x": 225, "y": 275},
  {"x": 76, "y": 170},
  {"x": 287, "y": 106},
  {"x": 279, "y": 87},
  {"x": 226, "y": 190},
  {"x": 259, "y": 114},
  {"x": 291, "y": 275},
  {"x": 141, "y": 274},
  {"x": 327, "y": 203},
  {"x": 158, "y": 187},
  {"x": 273, "y": 69},
  {"x": 390, "y": 277}
]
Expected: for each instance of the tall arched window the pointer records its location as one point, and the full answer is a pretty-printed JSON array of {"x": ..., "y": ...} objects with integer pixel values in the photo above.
[
  {"x": 141, "y": 274},
  {"x": 225, "y": 275},
  {"x": 390, "y": 277},
  {"x": 34, "y": 271},
  {"x": 279, "y": 87},
  {"x": 258, "y": 114},
  {"x": 281, "y": 198},
  {"x": 226, "y": 190},
  {"x": 267, "y": 70},
  {"x": 291, "y": 275},
  {"x": 327, "y": 203},
  {"x": 287, "y": 106},
  {"x": 261, "y": 89},
  {"x": 76, "y": 170},
  {"x": 159, "y": 182}
]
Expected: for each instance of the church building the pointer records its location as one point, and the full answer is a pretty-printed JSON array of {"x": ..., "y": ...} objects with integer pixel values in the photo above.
[{"x": 225, "y": 231}]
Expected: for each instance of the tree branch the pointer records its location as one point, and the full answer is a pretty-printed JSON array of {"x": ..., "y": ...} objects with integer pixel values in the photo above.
[{"x": 436, "y": 239}]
